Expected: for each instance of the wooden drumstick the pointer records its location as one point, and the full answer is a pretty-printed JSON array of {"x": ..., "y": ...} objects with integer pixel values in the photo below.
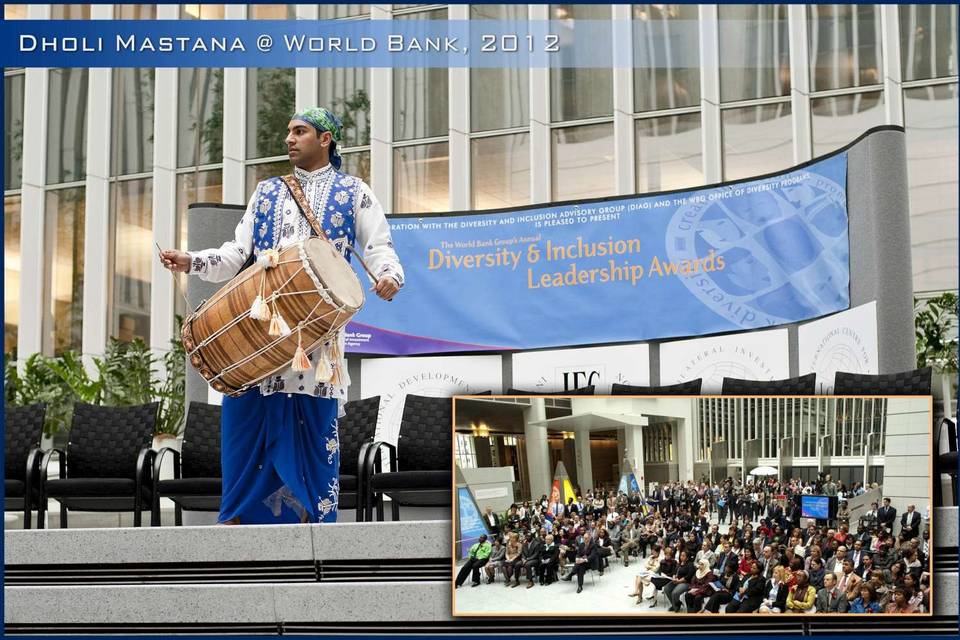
[{"x": 176, "y": 280}]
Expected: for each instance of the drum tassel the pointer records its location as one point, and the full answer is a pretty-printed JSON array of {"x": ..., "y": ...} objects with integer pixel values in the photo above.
[
  {"x": 300, "y": 361},
  {"x": 278, "y": 326},
  {"x": 259, "y": 309}
]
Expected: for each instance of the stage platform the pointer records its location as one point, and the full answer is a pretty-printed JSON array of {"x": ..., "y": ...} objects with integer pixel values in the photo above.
[{"x": 345, "y": 578}]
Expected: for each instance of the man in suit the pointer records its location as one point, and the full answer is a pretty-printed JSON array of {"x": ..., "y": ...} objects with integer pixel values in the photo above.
[
  {"x": 768, "y": 560},
  {"x": 857, "y": 555},
  {"x": 588, "y": 557},
  {"x": 492, "y": 520},
  {"x": 886, "y": 515},
  {"x": 863, "y": 537},
  {"x": 724, "y": 558},
  {"x": 831, "y": 599},
  {"x": 910, "y": 523}
]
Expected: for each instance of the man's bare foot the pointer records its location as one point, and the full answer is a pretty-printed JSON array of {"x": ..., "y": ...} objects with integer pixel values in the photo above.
[{"x": 231, "y": 521}]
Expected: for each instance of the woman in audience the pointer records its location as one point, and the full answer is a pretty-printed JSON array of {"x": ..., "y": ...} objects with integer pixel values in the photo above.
[
  {"x": 866, "y": 602},
  {"x": 681, "y": 582},
  {"x": 816, "y": 573},
  {"x": 748, "y": 597},
  {"x": 901, "y": 602},
  {"x": 746, "y": 559},
  {"x": 731, "y": 583},
  {"x": 512, "y": 559},
  {"x": 640, "y": 584},
  {"x": 802, "y": 595},
  {"x": 496, "y": 560},
  {"x": 700, "y": 587},
  {"x": 775, "y": 592}
]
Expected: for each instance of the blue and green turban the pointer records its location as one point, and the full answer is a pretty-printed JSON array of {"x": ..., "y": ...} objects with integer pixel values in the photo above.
[{"x": 324, "y": 120}]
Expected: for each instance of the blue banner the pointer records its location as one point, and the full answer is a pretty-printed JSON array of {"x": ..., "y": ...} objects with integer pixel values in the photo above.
[
  {"x": 471, "y": 524},
  {"x": 740, "y": 256}
]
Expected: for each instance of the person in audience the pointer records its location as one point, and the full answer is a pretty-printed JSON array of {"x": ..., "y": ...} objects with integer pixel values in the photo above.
[
  {"x": 816, "y": 574},
  {"x": 681, "y": 581},
  {"x": 530, "y": 556},
  {"x": 629, "y": 541},
  {"x": 549, "y": 560},
  {"x": 497, "y": 554},
  {"x": 700, "y": 587},
  {"x": 730, "y": 580},
  {"x": 705, "y": 553},
  {"x": 588, "y": 557},
  {"x": 604, "y": 548},
  {"x": 512, "y": 560},
  {"x": 477, "y": 556},
  {"x": 831, "y": 598},
  {"x": 775, "y": 592},
  {"x": 848, "y": 580},
  {"x": 910, "y": 523},
  {"x": 866, "y": 601},
  {"x": 801, "y": 598},
  {"x": 749, "y": 596},
  {"x": 746, "y": 560},
  {"x": 643, "y": 581},
  {"x": 900, "y": 603}
]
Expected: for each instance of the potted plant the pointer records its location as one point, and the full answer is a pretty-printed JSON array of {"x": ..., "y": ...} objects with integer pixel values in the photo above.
[{"x": 935, "y": 324}]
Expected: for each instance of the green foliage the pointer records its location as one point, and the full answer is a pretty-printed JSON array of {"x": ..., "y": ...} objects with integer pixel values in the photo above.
[
  {"x": 126, "y": 375},
  {"x": 934, "y": 322}
]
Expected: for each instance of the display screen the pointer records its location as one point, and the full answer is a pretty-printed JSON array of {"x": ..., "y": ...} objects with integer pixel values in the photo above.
[{"x": 815, "y": 507}]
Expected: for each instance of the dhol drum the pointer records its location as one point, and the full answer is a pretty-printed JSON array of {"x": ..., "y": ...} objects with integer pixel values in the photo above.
[{"x": 253, "y": 326}]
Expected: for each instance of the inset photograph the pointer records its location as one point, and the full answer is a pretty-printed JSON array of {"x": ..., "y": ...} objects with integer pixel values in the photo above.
[{"x": 619, "y": 506}]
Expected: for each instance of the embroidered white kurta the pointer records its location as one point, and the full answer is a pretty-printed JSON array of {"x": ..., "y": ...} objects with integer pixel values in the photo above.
[{"x": 373, "y": 242}]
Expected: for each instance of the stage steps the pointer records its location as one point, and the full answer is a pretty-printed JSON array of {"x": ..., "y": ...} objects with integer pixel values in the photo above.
[{"x": 347, "y": 578}]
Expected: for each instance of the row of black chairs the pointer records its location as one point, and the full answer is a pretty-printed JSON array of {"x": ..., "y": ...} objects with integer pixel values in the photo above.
[
  {"x": 108, "y": 464},
  {"x": 97, "y": 472}
]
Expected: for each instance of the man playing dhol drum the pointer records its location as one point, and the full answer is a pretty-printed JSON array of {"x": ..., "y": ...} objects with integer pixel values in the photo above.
[{"x": 280, "y": 449}]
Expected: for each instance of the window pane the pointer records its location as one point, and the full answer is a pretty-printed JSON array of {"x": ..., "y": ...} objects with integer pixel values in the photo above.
[
  {"x": 844, "y": 45},
  {"x": 63, "y": 293},
  {"x": 11, "y": 272},
  {"x": 136, "y": 12},
  {"x": 258, "y": 172},
  {"x": 201, "y": 12},
  {"x": 664, "y": 36},
  {"x": 13, "y": 126},
  {"x": 346, "y": 91},
  {"x": 333, "y": 11},
  {"x": 357, "y": 164},
  {"x": 193, "y": 187},
  {"x": 272, "y": 11},
  {"x": 754, "y": 52},
  {"x": 133, "y": 115},
  {"x": 583, "y": 162},
  {"x": 577, "y": 93},
  {"x": 67, "y": 126},
  {"x": 669, "y": 153},
  {"x": 500, "y": 170},
  {"x": 756, "y": 140},
  {"x": 200, "y": 117},
  {"x": 14, "y": 12},
  {"x": 270, "y": 101},
  {"x": 928, "y": 41},
  {"x": 838, "y": 120},
  {"x": 420, "y": 95},
  {"x": 499, "y": 98},
  {"x": 931, "y": 125},
  {"x": 134, "y": 254},
  {"x": 69, "y": 12},
  {"x": 421, "y": 178}
]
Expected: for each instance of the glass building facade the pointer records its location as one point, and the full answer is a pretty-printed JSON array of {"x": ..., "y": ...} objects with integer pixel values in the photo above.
[{"x": 776, "y": 85}]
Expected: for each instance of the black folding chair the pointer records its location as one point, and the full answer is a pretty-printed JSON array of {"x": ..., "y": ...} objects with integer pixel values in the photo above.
[
  {"x": 107, "y": 465},
  {"x": 423, "y": 453},
  {"x": 356, "y": 430},
  {"x": 197, "y": 478},
  {"x": 23, "y": 428}
]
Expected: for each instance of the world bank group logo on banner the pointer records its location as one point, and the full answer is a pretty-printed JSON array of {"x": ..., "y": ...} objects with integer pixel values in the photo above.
[{"x": 766, "y": 251}]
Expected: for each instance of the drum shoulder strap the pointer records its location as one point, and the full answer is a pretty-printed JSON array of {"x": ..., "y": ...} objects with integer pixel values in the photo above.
[{"x": 297, "y": 192}]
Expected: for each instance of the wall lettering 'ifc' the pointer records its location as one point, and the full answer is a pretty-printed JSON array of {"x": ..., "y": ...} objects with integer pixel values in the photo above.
[{"x": 576, "y": 379}]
